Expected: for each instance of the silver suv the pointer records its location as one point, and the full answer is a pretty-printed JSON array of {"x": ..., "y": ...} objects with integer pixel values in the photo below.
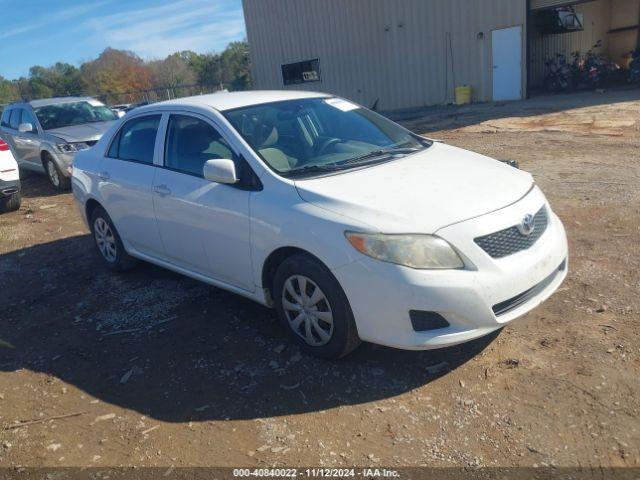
[{"x": 44, "y": 135}]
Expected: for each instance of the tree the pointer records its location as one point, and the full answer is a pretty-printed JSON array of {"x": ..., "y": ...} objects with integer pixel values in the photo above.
[
  {"x": 8, "y": 91},
  {"x": 172, "y": 71},
  {"x": 236, "y": 66},
  {"x": 116, "y": 72}
]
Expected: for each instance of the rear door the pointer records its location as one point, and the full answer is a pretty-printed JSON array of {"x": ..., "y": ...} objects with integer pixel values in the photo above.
[
  {"x": 125, "y": 180},
  {"x": 10, "y": 122},
  {"x": 204, "y": 225}
]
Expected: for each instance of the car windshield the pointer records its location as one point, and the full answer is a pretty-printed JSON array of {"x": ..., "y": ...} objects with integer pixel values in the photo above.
[
  {"x": 312, "y": 136},
  {"x": 76, "y": 113}
]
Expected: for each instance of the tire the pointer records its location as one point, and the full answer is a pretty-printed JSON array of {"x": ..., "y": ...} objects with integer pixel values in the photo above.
[
  {"x": 108, "y": 242},
  {"x": 11, "y": 204},
  {"x": 56, "y": 177},
  {"x": 330, "y": 314}
]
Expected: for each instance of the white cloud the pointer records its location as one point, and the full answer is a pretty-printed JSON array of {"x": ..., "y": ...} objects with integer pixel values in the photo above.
[
  {"x": 50, "y": 19},
  {"x": 152, "y": 32}
]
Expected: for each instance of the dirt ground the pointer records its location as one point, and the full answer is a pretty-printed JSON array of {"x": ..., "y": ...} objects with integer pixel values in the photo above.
[{"x": 150, "y": 368}]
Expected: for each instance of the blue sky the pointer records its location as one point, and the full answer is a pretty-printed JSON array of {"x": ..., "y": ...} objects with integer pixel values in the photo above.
[{"x": 42, "y": 32}]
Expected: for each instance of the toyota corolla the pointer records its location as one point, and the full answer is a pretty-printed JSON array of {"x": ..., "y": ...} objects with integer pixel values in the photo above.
[{"x": 350, "y": 226}]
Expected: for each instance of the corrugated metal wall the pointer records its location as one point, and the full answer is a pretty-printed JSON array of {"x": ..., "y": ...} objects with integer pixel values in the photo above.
[
  {"x": 400, "y": 53},
  {"x": 624, "y": 13}
]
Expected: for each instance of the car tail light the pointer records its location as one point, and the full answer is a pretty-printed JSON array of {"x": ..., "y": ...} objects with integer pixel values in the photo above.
[{"x": 3, "y": 145}]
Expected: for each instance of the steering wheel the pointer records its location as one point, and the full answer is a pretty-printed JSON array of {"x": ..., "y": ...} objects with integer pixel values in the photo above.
[{"x": 329, "y": 142}]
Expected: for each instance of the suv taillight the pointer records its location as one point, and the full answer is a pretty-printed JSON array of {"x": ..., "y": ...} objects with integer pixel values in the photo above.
[{"x": 3, "y": 145}]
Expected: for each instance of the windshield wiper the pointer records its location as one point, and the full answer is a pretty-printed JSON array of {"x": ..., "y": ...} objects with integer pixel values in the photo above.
[
  {"x": 381, "y": 154},
  {"x": 371, "y": 158},
  {"x": 315, "y": 169}
]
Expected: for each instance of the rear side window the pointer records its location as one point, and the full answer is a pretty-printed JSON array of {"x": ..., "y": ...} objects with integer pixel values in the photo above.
[
  {"x": 14, "y": 121},
  {"x": 5, "y": 118},
  {"x": 191, "y": 142},
  {"x": 136, "y": 140}
]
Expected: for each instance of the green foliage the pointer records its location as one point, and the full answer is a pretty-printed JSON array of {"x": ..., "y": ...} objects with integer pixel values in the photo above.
[
  {"x": 116, "y": 72},
  {"x": 8, "y": 91}
]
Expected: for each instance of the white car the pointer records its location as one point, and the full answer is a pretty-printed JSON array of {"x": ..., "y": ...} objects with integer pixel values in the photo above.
[
  {"x": 9, "y": 180},
  {"x": 351, "y": 226}
]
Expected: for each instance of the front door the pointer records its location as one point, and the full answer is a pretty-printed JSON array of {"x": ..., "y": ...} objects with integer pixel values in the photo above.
[
  {"x": 507, "y": 63},
  {"x": 204, "y": 225},
  {"x": 28, "y": 143}
]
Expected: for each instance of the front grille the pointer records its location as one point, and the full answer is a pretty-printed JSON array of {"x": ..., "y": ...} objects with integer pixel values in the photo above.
[
  {"x": 513, "y": 303},
  {"x": 509, "y": 241}
]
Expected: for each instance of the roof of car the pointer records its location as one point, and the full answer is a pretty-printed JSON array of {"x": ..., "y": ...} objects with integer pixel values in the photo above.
[
  {"x": 58, "y": 100},
  {"x": 230, "y": 100}
]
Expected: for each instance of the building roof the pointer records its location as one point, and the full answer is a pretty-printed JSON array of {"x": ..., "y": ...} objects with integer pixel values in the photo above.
[{"x": 230, "y": 100}]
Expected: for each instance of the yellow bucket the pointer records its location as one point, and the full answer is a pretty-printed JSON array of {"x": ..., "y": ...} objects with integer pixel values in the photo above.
[{"x": 463, "y": 95}]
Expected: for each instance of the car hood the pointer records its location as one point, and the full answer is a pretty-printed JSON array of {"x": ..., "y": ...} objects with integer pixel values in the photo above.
[
  {"x": 420, "y": 193},
  {"x": 81, "y": 133}
]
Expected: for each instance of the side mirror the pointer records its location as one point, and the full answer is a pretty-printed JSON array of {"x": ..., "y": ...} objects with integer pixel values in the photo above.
[
  {"x": 25, "y": 128},
  {"x": 220, "y": 171},
  {"x": 511, "y": 163}
]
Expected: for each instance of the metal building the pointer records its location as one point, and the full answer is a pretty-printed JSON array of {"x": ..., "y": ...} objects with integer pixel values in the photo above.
[{"x": 396, "y": 54}]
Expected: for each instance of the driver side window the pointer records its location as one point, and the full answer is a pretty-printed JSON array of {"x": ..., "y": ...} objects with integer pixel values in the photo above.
[
  {"x": 27, "y": 117},
  {"x": 191, "y": 142}
]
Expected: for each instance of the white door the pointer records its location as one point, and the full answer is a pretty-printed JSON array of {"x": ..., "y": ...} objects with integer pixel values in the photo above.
[
  {"x": 126, "y": 176},
  {"x": 507, "y": 63},
  {"x": 204, "y": 226}
]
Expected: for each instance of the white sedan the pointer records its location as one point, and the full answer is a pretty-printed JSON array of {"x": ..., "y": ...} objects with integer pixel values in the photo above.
[
  {"x": 350, "y": 226},
  {"x": 10, "y": 194}
]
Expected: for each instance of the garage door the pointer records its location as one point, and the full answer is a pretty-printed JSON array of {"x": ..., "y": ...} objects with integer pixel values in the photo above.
[{"x": 540, "y": 4}]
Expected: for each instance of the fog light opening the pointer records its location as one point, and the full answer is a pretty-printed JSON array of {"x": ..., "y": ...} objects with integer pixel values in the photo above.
[{"x": 425, "y": 321}]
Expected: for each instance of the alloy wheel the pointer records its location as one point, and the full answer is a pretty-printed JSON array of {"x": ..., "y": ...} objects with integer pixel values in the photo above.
[
  {"x": 53, "y": 173},
  {"x": 105, "y": 240},
  {"x": 307, "y": 310}
]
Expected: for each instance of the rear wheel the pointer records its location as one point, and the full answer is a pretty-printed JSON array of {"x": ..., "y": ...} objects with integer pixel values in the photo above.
[
  {"x": 11, "y": 203},
  {"x": 56, "y": 177},
  {"x": 109, "y": 243},
  {"x": 313, "y": 308}
]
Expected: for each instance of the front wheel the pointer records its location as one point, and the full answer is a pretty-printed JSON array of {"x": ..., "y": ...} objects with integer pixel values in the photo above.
[
  {"x": 313, "y": 308},
  {"x": 56, "y": 177},
  {"x": 109, "y": 243}
]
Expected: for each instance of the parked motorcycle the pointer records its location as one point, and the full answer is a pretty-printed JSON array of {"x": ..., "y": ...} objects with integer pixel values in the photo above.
[
  {"x": 589, "y": 69},
  {"x": 559, "y": 77},
  {"x": 634, "y": 67}
]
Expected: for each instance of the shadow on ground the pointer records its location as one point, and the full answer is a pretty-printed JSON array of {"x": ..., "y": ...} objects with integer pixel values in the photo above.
[
  {"x": 177, "y": 350},
  {"x": 37, "y": 185}
]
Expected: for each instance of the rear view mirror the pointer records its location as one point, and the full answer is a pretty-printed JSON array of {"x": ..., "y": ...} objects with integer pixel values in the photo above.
[
  {"x": 220, "y": 171},
  {"x": 25, "y": 128}
]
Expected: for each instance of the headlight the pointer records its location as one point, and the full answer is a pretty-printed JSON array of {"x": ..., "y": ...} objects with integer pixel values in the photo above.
[
  {"x": 71, "y": 147},
  {"x": 424, "y": 252}
]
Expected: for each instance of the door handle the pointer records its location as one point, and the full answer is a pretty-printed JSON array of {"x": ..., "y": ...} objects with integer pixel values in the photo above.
[
  {"x": 104, "y": 175},
  {"x": 162, "y": 190}
]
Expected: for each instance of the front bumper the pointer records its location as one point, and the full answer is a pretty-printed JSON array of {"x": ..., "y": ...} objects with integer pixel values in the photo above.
[
  {"x": 382, "y": 295},
  {"x": 9, "y": 187},
  {"x": 65, "y": 162}
]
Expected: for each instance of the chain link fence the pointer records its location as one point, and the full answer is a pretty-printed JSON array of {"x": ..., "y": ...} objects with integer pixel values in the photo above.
[{"x": 151, "y": 95}]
